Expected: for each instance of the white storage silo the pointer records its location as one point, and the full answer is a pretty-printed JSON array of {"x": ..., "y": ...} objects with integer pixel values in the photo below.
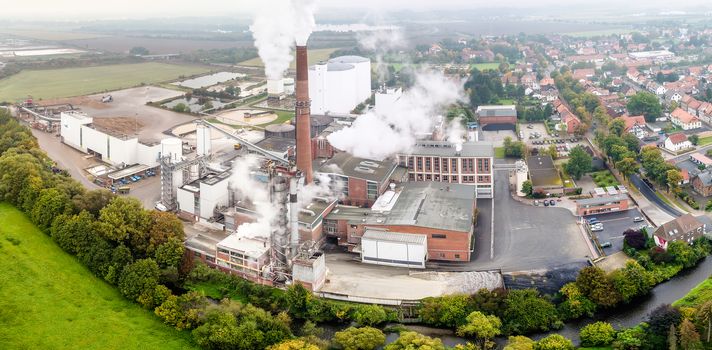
[
  {"x": 172, "y": 147},
  {"x": 275, "y": 87},
  {"x": 288, "y": 86},
  {"x": 202, "y": 140},
  {"x": 362, "y": 74}
]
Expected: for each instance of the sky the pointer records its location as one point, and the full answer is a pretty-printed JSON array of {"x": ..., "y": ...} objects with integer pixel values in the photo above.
[{"x": 95, "y": 9}]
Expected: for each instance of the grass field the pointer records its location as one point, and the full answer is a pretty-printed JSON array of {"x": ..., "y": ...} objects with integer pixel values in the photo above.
[
  {"x": 698, "y": 295},
  {"x": 704, "y": 141},
  {"x": 604, "y": 178},
  {"x": 50, "y": 35},
  {"x": 483, "y": 66},
  {"x": 499, "y": 152},
  {"x": 48, "y": 300},
  {"x": 314, "y": 57},
  {"x": 67, "y": 82}
]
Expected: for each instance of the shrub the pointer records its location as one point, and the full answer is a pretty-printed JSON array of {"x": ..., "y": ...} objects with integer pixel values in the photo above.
[
  {"x": 554, "y": 342},
  {"x": 597, "y": 334},
  {"x": 635, "y": 239},
  {"x": 370, "y": 315}
]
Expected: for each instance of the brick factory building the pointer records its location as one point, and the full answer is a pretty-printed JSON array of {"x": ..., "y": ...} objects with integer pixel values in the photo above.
[
  {"x": 444, "y": 213},
  {"x": 360, "y": 181},
  {"x": 442, "y": 161},
  {"x": 601, "y": 205},
  {"x": 497, "y": 117}
]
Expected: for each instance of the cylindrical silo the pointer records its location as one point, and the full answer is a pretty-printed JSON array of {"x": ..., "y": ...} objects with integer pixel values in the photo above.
[
  {"x": 288, "y": 86},
  {"x": 362, "y": 74},
  {"x": 172, "y": 147},
  {"x": 203, "y": 139}
]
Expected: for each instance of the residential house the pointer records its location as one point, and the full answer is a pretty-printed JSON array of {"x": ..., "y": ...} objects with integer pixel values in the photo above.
[
  {"x": 683, "y": 119},
  {"x": 673, "y": 96},
  {"x": 702, "y": 183},
  {"x": 584, "y": 73},
  {"x": 705, "y": 112},
  {"x": 677, "y": 142},
  {"x": 685, "y": 228},
  {"x": 635, "y": 125}
]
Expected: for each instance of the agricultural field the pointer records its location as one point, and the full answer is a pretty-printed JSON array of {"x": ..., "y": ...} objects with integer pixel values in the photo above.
[
  {"x": 48, "y": 300},
  {"x": 68, "y": 82},
  {"x": 315, "y": 56},
  {"x": 50, "y": 35}
]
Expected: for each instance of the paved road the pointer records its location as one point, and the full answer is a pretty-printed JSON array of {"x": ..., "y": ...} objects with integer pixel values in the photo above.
[
  {"x": 526, "y": 238},
  {"x": 649, "y": 193}
]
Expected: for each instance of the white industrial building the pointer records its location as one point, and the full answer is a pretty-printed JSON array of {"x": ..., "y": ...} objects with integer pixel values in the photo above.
[
  {"x": 339, "y": 85},
  {"x": 198, "y": 199},
  {"x": 116, "y": 149},
  {"x": 394, "y": 249}
]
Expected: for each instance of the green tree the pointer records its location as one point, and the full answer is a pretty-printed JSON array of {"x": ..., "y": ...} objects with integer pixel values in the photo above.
[
  {"x": 672, "y": 338},
  {"x": 480, "y": 326},
  {"x": 527, "y": 188},
  {"x": 682, "y": 253},
  {"x": 674, "y": 180},
  {"x": 627, "y": 166},
  {"x": 123, "y": 218},
  {"x": 92, "y": 201},
  {"x": 519, "y": 342},
  {"x": 616, "y": 127},
  {"x": 632, "y": 281},
  {"x": 181, "y": 108},
  {"x": 694, "y": 139},
  {"x": 298, "y": 300},
  {"x": 415, "y": 341},
  {"x": 150, "y": 298},
  {"x": 526, "y": 312},
  {"x": 595, "y": 285},
  {"x": 554, "y": 342},
  {"x": 164, "y": 226},
  {"x": 514, "y": 149},
  {"x": 645, "y": 103},
  {"x": 138, "y": 277},
  {"x": 370, "y": 315},
  {"x": 364, "y": 338},
  {"x": 170, "y": 253},
  {"x": 575, "y": 304},
  {"x": 446, "y": 311},
  {"x": 630, "y": 338},
  {"x": 580, "y": 162},
  {"x": 138, "y": 51},
  {"x": 294, "y": 344},
  {"x": 597, "y": 334},
  {"x": 184, "y": 311},
  {"x": 50, "y": 204}
]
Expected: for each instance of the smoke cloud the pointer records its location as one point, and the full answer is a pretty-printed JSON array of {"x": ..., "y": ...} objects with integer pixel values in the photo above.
[
  {"x": 257, "y": 193},
  {"x": 277, "y": 27},
  {"x": 378, "y": 135},
  {"x": 382, "y": 42},
  {"x": 321, "y": 187},
  {"x": 455, "y": 131}
]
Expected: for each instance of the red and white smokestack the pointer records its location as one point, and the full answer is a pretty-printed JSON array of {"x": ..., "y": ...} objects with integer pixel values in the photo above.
[{"x": 303, "y": 113}]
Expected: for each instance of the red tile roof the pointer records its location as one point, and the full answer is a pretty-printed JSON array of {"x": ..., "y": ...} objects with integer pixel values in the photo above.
[
  {"x": 677, "y": 138},
  {"x": 683, "y": 116}
]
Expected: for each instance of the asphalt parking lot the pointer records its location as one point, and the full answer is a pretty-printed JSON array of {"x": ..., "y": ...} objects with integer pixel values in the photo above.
[
  {"x": 614, "y": 224},
  {"x": 526, "y": 237}
]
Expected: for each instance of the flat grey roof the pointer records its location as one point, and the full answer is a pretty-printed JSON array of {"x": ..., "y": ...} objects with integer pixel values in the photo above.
[
  {"x": 349, "y": 59},
  {"x": 496, "y": 111},
  {"x": 397, "y": 237},
  {"x": 447, "y": 149},
  {"x": 347, "y": 165},
  {"x": 277, "y": 144},
  {"x": 425, "y": 204},
  {"x": 602, "y": 200}
]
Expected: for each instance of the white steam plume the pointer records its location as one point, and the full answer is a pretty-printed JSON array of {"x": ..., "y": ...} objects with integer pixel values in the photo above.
[
  {"x": 255, "y": 192},
  {"x": 378, "y": 136},
  {"x": 455, "y": 131},
  {"x": 382, "y": 42},
  {"x": 322, "y": 187},
  {"x": 277, "y": 27}
]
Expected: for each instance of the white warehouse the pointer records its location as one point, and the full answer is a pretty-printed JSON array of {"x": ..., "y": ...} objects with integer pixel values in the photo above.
[
  {"x": 339, "y": 85},
  {"x": 78, "y": 132}
]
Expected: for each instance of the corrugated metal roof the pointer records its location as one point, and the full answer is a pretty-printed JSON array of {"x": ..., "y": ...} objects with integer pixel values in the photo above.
[{"x": 395, "y": 237}]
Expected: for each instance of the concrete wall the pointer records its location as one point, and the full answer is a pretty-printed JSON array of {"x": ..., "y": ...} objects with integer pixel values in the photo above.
[
  {"x": 186, "y": 201},
  {"x": 310, "y": 273}
]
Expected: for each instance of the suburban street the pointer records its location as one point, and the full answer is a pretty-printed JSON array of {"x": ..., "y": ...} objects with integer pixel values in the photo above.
[{"x": 649, "y": 193}]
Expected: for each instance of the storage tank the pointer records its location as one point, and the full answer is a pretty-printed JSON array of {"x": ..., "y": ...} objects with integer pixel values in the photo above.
[
  {"x": 172, "y": 147},
  {"x": 288, "y": 86},
  {"x": 280, "y": 130},
  {"x": 203, "y": 140},
  {"x": 362, "y": 74}
]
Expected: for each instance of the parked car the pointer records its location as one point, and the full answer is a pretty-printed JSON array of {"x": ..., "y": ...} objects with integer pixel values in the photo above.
[
  {"x": 546, "y": 204},
  {"x": 638, "y": 219},
  {"x": 592, "y": 220},
  {"x": 596, "y": 229},
  {"x": 606, "y": 245},
  {"x": 160, "y": 207},
  {"x": 536, "y": 203},
  {"x": 552, "y": 202}
]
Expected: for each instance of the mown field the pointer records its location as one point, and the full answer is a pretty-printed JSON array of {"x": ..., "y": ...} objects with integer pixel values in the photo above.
[
  {"x": 67, "y": 82},
  {"x": 50, "y": 35},
  {"x": 314, "y": 57},
  {"x": 483, "y": 66},
  {"x": 48, "y": 300}
]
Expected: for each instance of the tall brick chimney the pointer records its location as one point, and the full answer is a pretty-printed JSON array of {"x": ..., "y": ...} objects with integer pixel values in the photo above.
[{"x": 303, "y": 113}]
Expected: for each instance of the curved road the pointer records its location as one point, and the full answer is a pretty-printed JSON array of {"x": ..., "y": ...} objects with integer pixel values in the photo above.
[{"x": 649, "y": 193}]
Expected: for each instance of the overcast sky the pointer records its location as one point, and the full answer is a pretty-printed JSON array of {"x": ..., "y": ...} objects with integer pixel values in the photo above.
[{"x": 97, "y": 9}]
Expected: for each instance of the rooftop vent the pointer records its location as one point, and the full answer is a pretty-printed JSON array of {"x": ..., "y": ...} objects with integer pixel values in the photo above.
[
  {"x": 369, "y": 163},
  {"x": 365, "y": 170}
]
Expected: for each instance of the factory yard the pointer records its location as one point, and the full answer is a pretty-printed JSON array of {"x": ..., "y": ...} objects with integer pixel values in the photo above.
[
  {"x": 131, "y": 103},
  {"x": 347, "y": 277},
  {"x": 67, "y": 82}
]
